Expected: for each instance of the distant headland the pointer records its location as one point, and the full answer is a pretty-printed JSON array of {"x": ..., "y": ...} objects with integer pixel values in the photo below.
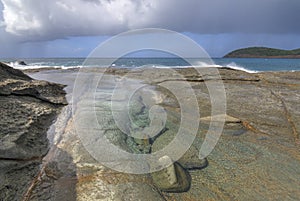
[{"x": 263, "y": 52}]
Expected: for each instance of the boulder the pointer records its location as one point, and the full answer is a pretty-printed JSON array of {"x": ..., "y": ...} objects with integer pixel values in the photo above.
[
  {"x": 21, "y": 63},
  {"x": 174, "y": 179}
]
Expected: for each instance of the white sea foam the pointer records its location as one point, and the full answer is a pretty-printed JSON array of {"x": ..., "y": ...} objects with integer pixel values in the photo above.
[
  {"x": 200, "y": 64},
  {"x": 38, "y": 66},
  {"x": 205, "y": 65},
  {"x": 233, "y": 65}
]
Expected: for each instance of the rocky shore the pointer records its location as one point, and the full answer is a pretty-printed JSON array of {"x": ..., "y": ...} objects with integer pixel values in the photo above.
[
  {"x": 256, "y": 158},
  {"x": 28, "y": 108}
]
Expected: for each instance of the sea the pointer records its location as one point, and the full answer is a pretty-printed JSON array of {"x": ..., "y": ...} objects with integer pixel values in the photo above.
[{"x": 251, "y": 65}]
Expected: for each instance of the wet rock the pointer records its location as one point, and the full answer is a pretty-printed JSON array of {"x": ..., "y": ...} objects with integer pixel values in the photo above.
[{"x": 21, "y": 63}]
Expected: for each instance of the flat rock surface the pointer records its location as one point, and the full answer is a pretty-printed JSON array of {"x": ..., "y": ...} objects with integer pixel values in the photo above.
[{"x": 257, "y": 156}]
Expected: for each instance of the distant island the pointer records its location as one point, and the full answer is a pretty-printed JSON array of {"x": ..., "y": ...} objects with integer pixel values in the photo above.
[{"x": 263, "y": 52}]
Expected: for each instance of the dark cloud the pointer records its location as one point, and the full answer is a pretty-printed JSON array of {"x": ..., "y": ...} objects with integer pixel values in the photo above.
[
  {"x": 230, "y": 16},
  {"x": 46, "y": 20}
]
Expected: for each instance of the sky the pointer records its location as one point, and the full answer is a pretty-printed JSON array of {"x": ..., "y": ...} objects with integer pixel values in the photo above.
[{"x": 73, "y": 28}]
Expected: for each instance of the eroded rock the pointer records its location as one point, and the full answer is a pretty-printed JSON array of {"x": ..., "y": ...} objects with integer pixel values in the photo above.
[{"x": 28, "y": 108}]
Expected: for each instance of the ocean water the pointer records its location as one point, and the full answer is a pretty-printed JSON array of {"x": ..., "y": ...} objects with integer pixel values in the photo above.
[{"x": 251, "y": 65}]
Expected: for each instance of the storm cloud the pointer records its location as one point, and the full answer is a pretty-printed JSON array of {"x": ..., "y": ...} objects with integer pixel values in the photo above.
[{"x": 31, "y": 20}]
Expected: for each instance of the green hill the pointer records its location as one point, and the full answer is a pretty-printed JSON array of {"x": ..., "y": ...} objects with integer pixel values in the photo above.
[{"x": 263, "y": 52}]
